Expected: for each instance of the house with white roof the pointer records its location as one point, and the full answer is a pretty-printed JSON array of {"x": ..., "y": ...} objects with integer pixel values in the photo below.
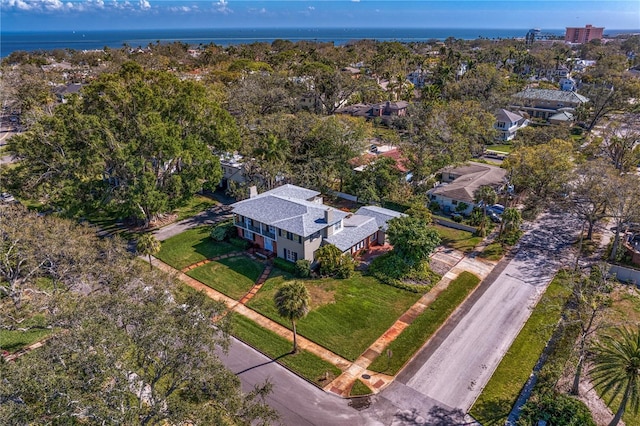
[{"x": 292, "y": 223}]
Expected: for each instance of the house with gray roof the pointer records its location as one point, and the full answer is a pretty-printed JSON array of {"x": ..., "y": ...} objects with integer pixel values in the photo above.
[
  {"x": 292, "y": 223},
  {"x": 507, "y": 124},
  {"x": 459, "y": 184},
  {"x": 543, "y": 103}
]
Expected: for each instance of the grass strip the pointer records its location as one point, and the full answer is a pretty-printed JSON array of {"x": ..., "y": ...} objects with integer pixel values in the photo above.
[
  {"x": 303, "y": 363},
  {"x": 360, "y": 389},
  {"x": 421, "y": 329},
  {"x": 13, "y": 340},
  {"x": 195, "y": 205},
  {"x": 457, "y": 238},
  {"x": 494, "y": 403}
]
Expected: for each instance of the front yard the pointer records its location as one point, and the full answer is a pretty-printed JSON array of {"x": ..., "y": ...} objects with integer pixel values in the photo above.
[
  {"x": 457, "y": 239},
  {"x": 192, "y": 246},
  {"x": 346, "y": 316},
  {"x": 233, "y": 276}
]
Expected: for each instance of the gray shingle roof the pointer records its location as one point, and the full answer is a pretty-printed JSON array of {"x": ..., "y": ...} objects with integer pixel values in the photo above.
[
  {"x": 550, "y": 95},
  {"x": 356, "y": 228},
  {"x": 508, "y": 116},
  {"x": 292, "y": 191},
  {"x": 290, "y": 214},
  {"x": 380, "y": 214}
]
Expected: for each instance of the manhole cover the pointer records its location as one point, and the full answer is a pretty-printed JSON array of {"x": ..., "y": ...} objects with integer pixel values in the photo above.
[{"x": 366, "y": 376}]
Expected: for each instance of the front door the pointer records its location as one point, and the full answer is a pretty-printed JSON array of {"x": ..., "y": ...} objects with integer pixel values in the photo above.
[{"x": 268, "y": 244}]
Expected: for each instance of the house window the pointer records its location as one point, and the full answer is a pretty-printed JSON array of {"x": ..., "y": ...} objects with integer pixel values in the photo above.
[
  {"x": 337, "y": 227},
  {"x": 372, "y": 238},
  {"x": 272, "y": 229},
  {"x": 290, "y": 255},
  {"x": 249, "y": 235},
  {"x": 248, "y": 222},
  {"x": 454, "y": 202},
  {"x": 289, "y": 236}
]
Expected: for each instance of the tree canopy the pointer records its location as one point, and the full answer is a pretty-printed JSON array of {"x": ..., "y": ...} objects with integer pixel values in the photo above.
[
  {"x": 412, "y": 238},
  {"x": 141, "y": 141}
]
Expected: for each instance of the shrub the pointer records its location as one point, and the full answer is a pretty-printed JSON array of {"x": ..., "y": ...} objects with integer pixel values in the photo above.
[
  {"x": 285, "y": 265},
  {"x": 461, "y": 207},
  {"x": 511, "y": 238},
  {"x": 240, "y": 243},
  {"x": 557, "y": 409},
  {"x": 457, "y": 218},
  {"x": 333, "y": 263},
  {"x": 392, "y": 270},
  {"x": 223, "y": 231},
  {"x": 434, "y": 206},
  {"x": 302, "y": 268}
]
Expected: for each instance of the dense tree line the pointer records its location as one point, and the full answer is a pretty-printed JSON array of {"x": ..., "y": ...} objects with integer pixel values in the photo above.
[{"x": 127, "y": 346}]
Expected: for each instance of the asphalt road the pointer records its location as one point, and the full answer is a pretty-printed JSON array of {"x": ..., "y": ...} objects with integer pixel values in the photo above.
[
  {"x": 299, "y": 403},
  {"x": 450, "y": 372}
]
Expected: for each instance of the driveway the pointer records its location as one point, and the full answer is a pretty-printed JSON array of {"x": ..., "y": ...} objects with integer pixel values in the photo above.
[
  {"x": 449, "y": 373},
  {"x": 210, "y": 216}
]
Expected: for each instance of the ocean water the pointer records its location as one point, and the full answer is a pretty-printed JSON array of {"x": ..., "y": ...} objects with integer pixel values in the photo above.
[{"x": 89, "y": 40}]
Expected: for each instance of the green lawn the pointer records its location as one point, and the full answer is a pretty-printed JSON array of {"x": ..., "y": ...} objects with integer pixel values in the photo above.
[
  {"x": 195, "y": 205},
  {"x": 13, "y": 341},
  {"x": 457, "y": 239},
  {"x": 305, "y": 364},
  {"x": 493, "y": 251},
  {"x": 423, "y": 327},
  {"x": 233, "y": 276},
  {"x": 500, "y": 148},
  {"x": 360, "y": 389},
  {"x": 346, "y": 316},
  {"x": 190, "y": 247},
  {"x": 499, "y": 395}
]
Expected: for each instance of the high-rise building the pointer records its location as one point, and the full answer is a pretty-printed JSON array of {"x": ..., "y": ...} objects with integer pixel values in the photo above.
[{"x": 583, "y": 35}]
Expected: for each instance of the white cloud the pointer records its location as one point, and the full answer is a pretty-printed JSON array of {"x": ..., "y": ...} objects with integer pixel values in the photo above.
[
  {"x": 312, "y": 8},
  {"x": 355, "y": 1},
  {"x": 144, "y": 4},
  {"x": 222, "y": 6}
]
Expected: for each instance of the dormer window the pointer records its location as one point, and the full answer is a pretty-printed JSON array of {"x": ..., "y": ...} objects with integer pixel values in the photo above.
[{"x": 337, "y": 227}]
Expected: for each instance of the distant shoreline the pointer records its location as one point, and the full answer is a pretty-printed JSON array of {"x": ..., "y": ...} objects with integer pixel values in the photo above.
[{"x": 92, "y": 40}]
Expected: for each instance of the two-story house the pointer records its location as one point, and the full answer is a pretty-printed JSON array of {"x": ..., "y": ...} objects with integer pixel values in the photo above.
[
  {"x": 292, "y": 222},
  {"x": 544, "y": 103},
  {"x": 507, "y": 124}
]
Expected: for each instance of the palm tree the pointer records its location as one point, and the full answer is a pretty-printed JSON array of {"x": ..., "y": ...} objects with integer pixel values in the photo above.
[
  {"x": 148, "y": 245},
  {"x": 511, "y": 220},
  {"x": 486, "y": 196},
  {"x": 617, "y": 369},
  {"x": 292, "y": 301}
]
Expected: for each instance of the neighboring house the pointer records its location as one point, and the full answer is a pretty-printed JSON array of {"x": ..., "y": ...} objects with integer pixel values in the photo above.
[
  {"x": 63, "y": 92},
  {"x": 568, "y": 84},
  {"x": 292, "y": 222},
  {"x": 543, "y": 103},
  {"x": 376, "y": 151},
  {"x": 562, "y": 118},
  {"x": 418, "y": 78},
  {"x": 460, "y": 183},
  {"x": 233, "y": 170},
  {"x": 507, "y": 124},
  {"x": 385, "y": 110}
]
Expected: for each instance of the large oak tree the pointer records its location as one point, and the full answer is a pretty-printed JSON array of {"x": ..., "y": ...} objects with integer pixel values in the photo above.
[{"x": 141, "y": 141}]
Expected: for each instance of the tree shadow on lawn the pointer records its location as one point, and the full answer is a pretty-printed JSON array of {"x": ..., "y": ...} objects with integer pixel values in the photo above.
[
  {"x": 209, "y": 248},
  {"x": 243, "y": 266},
  {"x": 492, "y": 412}
]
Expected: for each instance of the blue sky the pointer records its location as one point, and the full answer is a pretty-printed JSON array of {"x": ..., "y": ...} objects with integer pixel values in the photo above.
[{"x": 38, "y": 15}]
